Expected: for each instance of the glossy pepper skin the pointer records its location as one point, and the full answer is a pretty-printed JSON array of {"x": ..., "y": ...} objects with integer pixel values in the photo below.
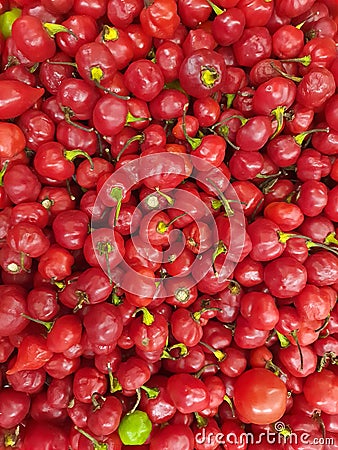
[
  {"x": 160, "y": 19},
  {"x": 16, "y": 97}
]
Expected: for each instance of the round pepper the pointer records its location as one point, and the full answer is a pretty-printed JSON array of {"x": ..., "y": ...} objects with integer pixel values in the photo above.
[{"x": 135, "y": 428}]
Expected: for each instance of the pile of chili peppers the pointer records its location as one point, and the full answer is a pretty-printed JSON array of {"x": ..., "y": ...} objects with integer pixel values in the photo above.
[{"x": 168, "y": 219}]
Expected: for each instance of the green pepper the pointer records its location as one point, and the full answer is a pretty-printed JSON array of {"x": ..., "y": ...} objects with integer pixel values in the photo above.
[
  {"x": 135, "y": 428},
  {"x": 7, "y": 19}
]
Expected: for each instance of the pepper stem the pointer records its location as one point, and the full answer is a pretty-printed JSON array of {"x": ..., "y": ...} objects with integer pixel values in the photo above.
[
  {"x": 114, "y": 385},
  {"x": 138, "y": 399},
  {"x": 109, "y": 33},
  {"x": 183, "y": 351},
  {"x": 48, "y": 325},
  {"x": 311, "y": 244},
  {"x": 227, "y": 399},
  {"x": 228, "y": 211},
  {"x": 234, "y": 287},
  {"x": 169, "y": 199},
  {"x": 2, "y": 172},
  {"x": 77, "y": 125},
  {"x": 202, "y": 422},
  {"x": 83, "y": 299},
  {"x": 217, "y": 10},
  {"x": 300, "y": 137},
  {"x": 324, "y": 325},
  {"x": 109, "y": 91},
  {"x": 104, "y": 248},
  {"x": 295, "y": 336},
  {"x": 138, "y": 137},
  {"x": 182, "y": 294},
  {"x": 54, "y": 28},
  {"x": 116, "y": 194},
  {"x": 219, "y": 355},
  {"x": 235, "y": 116},
  {"x": 274, "y": 368},
  {"x": 197, "y": 315},
  {"x": 304, "y": 60},
  {"x": 279, "y": 115},
  {"x": 131, "y": 119},
  {"x": 72, "y": 154},
  {"x": 286, "y": 75},
  {"x": 194, "y": 142},
  {"x": 283, "y": 340},
  {"x": 163, "y": 227},
  {"x": 209, "y": 76},
  {"x": 230, "y": 98},
  {"x": 220, "y": 249},
  {"x": 148, "y": 318},
  {"x": 331, "y": 239},
  {"x": 11, "y": 438},
  {"x": 97, "y": 445},
  {"x": 151, "y": 392},
  {"x": 201, "y": 371}
]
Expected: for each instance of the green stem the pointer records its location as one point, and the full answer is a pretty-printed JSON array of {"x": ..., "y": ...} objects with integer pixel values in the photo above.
[
  {"x": 148, "y": 318},
  {"x": 62, "y": 63},
  {"x": 48, "y": 325},
  {"x": 54, "y": 28},
  {"x": 202, "y": 422},
  {"x": 324, "y": 325},
  {"x": 117, "y": 195},
  {"x": 227, "y": 399},
  {"x": 279, "y": 115},
  {"x": 300, "y": 137},
  {"x": 219, "y": 355},
  {"x": 104, "y": 248},
  {"x": 109, "y": 91},
  {"x": 138, "y": 399},
  {"x": 83, "y": 300},
  {"x": 228, "y": 211},
  {"x": 97, "y": 445},
  {"x": 304, "y": 60},
  {"x": 311, "y": 244},
  {"x": 197, "y": 315},
  {"x": 220, "y": 249},
  {"x": 132, "y": 119},
  {"x": 2, "y": 172},
  {"x": 230, "y": 98},
  {"x": 151, "y": 392},
  {"x": 169, "y": 199},
  {"x": 77, "y": 125},
  {"x": 138, "y": 137},
  {"x": 183, "y": 351},
  {"x": 331, "y": 239},
  {"x": 72, "y": 154},
  {"x": 283, "y": 340},
  {"x": 235, "y": 116},
  {"x": 295, "y": 336},
  {"x": 201, "y": 371},
  {"x": 286, "y": 75},
  {"x": 109, "y": 33},
  {"x": 114, "y": 385},
  {"x": 182, "y": 294},
  {"x": 217, "y": 10},
  {"x": 275, "y": 369},
  {"x": 163, "y": 227},
  {"x": 194, "y": 142},
  {"x": 234, "y": 287}
]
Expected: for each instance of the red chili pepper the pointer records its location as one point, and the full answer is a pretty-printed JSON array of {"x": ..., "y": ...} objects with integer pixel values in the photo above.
[
  {"x": 33, "y": 354},
  {"x": 160, "y": 19},
  {"x": 16, "y": 97}
]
